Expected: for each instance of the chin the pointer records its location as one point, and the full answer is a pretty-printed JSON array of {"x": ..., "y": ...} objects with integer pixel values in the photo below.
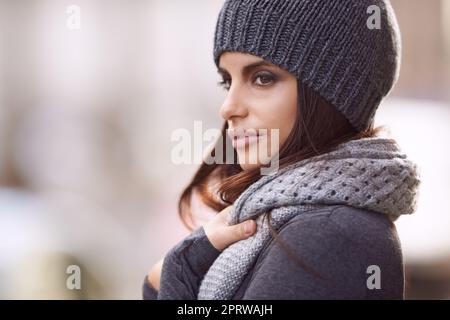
[
  {"x": 247, "y": 166},
  {"x": 248, "y": 160},
  {"x": 249, "y": 157}
]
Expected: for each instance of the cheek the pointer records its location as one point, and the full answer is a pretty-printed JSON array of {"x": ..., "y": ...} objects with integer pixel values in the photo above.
[
  {"x": 280, "y": 111},
  {"x": 276, "y": 109},
  {"x": 288, "y": 120}
]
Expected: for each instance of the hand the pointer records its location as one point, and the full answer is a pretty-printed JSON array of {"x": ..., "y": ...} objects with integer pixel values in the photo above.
[
  {"x": 221, "y": 235},
  {"x": 154, "y": 274}
]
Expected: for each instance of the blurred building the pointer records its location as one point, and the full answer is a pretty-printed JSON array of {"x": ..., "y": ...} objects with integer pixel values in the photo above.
[{"x": 86, "y": 118}]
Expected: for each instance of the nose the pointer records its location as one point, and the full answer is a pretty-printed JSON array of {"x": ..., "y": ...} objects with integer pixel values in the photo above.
[{"x": 234, "y": 104}]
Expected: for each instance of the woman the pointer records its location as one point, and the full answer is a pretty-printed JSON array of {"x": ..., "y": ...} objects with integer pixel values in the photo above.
[{"x": 320, "y": 226}]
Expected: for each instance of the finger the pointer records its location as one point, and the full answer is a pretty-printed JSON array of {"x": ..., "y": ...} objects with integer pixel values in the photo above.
[{"x": 243, "y": 230}]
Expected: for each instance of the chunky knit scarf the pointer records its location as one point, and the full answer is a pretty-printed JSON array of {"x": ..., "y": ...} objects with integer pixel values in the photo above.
[{"x": 369, "y": 173}]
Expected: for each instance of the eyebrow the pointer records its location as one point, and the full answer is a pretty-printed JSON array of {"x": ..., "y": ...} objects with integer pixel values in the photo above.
[{"x": 248, "y": 68}]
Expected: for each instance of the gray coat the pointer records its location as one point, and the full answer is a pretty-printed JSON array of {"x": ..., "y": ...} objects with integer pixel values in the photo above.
[{"x": 346, "y": 253}]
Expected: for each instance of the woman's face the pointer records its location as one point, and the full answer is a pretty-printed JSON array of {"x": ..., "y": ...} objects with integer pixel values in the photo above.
[{"x": 260, "y": 106}]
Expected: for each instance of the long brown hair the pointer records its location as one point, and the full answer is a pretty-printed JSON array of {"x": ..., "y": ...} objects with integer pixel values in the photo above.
[{"x": 318, "y": 128}]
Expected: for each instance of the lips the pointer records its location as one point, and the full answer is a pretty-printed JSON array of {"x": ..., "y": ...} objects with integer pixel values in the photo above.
[
  {"x": 242, "y": 133},
  {"x": 243, "y": 137}
]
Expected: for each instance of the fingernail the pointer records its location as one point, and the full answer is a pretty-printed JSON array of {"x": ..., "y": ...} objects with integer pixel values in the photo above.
[{"x": 248, "y": 227}]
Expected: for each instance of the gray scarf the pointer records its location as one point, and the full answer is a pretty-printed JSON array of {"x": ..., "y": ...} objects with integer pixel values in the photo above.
[{"x": 369, "y": 173}]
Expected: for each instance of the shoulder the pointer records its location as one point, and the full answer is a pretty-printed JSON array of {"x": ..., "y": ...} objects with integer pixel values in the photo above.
[
  {"x": 340, "y": 232},
  {"x": 340, "y": 243},
  {"x": 357, "y": 225}
]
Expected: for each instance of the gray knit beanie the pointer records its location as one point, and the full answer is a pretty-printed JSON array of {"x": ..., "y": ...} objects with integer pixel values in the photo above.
[{"x": 329, "y": 45}]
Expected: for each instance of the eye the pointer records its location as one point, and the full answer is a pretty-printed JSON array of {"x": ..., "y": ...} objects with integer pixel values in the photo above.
[
  {"x": 225, "y": 84},
  {"x": 264, "y": 79}
]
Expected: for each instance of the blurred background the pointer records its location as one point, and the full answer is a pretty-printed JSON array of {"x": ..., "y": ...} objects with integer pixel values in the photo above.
[{"x": 87, "y": 111}]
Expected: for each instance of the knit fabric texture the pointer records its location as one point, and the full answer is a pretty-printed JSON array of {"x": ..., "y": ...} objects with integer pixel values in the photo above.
[
  {"x": 368, "y": 173},
  {"x": 325, "y": 44}
]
